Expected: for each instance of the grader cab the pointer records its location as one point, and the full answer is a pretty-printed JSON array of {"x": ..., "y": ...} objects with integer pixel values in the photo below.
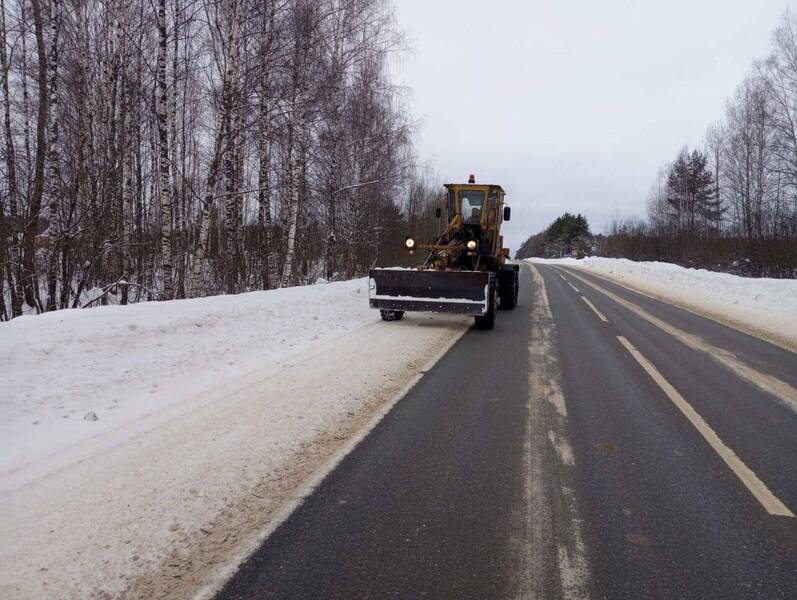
[{"x": 465, "y": 270}]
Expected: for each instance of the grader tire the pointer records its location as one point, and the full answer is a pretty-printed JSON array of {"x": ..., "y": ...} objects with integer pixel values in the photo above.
[
  {"x": 487, "y": 320},
  {"x": 391, "y": 315},
  {"x": 508, "y": 290}
]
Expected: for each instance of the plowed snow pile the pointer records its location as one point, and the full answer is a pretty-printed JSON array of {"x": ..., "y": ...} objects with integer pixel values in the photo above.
[
  {"x": 142, "y": 447},
  {"x": 120, "y": 363},
  {"x": 768, "y": 306}
]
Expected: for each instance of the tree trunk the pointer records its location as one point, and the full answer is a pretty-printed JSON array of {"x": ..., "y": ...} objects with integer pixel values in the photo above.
[
  {"x": 225, "y": 112},
  {"x": 15, "y": 250},
  {"x": 293, "y": 201},
  {"x": 30, "y": 281},
  {"x": 264, "y": 193},
  {"x": 177, "y": 173},
  {"x": 268, "y": 267},
  {"x": 122, "y": 150},
  {"x": 24, "y": 80},
  {"x": 127, "y": 193},
  {"x": 163, "y": 163},
  {"x": 232, "y": 224},
  {"x": 54, "y": 158}
]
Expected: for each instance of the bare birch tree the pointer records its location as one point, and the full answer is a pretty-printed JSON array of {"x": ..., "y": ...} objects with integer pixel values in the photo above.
[
  {"x": 164, "y": 162},
  {"x": 183, "y": 148}
]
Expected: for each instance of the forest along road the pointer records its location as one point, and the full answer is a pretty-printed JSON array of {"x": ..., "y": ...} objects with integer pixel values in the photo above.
[{"x": 598, "y": 443}]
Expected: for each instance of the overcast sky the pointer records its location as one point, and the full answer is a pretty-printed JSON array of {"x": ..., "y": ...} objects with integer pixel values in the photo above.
[{"x": 573, "y": 105}]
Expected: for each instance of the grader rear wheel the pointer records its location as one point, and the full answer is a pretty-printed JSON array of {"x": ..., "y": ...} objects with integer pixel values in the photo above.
[
  {"x": 508, "y": 289},
  {"x": 391, "y": 315}
]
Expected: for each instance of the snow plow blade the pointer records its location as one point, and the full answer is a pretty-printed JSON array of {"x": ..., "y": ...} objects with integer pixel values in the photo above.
[{"x": 453, "y": 292}]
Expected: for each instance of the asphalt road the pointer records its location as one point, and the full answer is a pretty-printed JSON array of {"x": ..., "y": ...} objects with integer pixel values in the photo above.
[{"x": 597, "y": 443}]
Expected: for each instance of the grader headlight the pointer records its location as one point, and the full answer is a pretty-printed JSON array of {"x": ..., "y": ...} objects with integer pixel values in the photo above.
[
  {"x": 471, "y": 245},
  {"x": 409, "y": 243}
]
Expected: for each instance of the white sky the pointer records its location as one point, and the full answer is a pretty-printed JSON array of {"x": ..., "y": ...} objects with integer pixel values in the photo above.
[{"x": 573, "y": 105}]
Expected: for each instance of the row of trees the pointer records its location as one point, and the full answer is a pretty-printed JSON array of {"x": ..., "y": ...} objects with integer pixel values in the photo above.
[
  {"x": 568, "y": 235},
  {"x": 178, "y": 148},
  {"x": 733, "y": 203}
]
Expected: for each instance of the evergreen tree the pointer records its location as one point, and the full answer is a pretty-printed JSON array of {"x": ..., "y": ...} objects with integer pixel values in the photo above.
[
  {"x": 707, "y": 202},
  {"x": 566, "y": 233},
  {"x": 691, "y": 195},
  {"x": 567, "y": 228}
]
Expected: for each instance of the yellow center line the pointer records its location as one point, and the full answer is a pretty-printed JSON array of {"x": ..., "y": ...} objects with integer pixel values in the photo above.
[
  {"x": 597, "y": 312},
  {"x": 762, "y": 493},
  {"x": 572, "y": 286}
]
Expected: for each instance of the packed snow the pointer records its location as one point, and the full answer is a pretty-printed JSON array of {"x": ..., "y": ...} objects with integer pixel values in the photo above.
[
  {"x": 768, "y": 306},
  {"x": 143, "y": 447},
  {"x": 72, "y": 374}
]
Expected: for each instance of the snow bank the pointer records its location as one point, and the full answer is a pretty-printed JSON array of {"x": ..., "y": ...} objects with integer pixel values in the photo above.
[
  {"x": 60, "y": 370},
  {"x": 213, "y": 417},
  {"x": 768, "y": 306}
]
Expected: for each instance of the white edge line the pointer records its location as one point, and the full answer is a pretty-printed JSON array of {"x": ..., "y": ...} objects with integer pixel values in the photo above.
[
  {"x": 769, "y": 384},
  {"x": 758, "y": 488},
  {"x": 700, "y": 311},
  {"x": 595, "y": 310},
  {"x": 224, "y": 573}
]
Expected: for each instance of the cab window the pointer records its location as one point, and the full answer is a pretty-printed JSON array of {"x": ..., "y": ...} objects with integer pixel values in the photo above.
[
  {"x": 471, "y": 202},
  {"x": 492, "y": 207}
]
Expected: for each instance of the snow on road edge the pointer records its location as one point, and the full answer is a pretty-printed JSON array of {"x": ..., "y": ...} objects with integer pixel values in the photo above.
[
  {"x": 218, "y": 578},
  {"x": 760, "y": 306},
  {"x": 168, "y": 508},
  {"x": 72, "y": 375}
]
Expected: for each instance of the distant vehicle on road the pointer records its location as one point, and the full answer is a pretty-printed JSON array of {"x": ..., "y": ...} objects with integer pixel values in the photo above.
[{"x": 466, "y": 270}]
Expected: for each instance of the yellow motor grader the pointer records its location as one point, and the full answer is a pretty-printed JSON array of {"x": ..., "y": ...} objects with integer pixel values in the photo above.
[{"x": 465, "y": 270}]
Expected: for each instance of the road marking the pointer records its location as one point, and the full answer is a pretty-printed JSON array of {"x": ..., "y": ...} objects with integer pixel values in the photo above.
[
  {"x": 768, "y": 500},
  {"x": 572, "y": 286},
  {"x": 562, "y": 276},
  {"x": 696, "y": 309},
  {"x": 768, "y": 383},
  {"x": 597, "y": 312}
]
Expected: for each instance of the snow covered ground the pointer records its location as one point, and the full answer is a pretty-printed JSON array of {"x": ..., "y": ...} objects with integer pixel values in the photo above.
[
  {"x": 210, "y": 413},
  {"x": 765, "y": 306},
  {"x": 120, "y": 363}
]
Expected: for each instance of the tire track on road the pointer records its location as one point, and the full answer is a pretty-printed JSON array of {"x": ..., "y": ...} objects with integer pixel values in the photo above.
[{"x": 551, "y": 485}]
